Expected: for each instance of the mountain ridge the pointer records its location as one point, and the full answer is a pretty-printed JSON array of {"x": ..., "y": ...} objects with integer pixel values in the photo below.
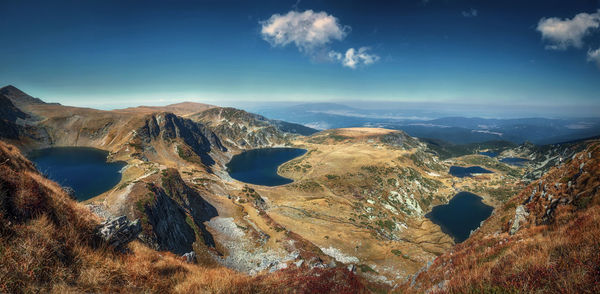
[{"x": 359, "y": 194}]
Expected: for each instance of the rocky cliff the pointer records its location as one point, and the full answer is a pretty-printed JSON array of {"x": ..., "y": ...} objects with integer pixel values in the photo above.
[
  {"x": 174, "y": 215},
  {"x": 193, "y": 141},
  {"x": 244, "y": 130},
  {"x": 9, "y": 115}
]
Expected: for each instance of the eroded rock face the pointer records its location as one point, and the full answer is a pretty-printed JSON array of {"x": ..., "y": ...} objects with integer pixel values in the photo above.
[
  {"x": 246, "y": 130},
  {"x": 118, "y": 232},
  {"x": 9, "y": 115},
  {"x": 169, "y": 127},
  {"x": 175, "y": 215},
  {"x": 170, "y": 231}
]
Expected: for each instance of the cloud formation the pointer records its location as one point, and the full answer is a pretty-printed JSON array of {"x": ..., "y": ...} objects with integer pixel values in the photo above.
[
  {"x": 594, "y": 56},
  {"x": 307, "y": 30},
  {"x": 353, "y": 58},
  {"x": 564, "y": 33},
  {"x": 312, "y": 33},
  {"x": 470, "y": 13}
]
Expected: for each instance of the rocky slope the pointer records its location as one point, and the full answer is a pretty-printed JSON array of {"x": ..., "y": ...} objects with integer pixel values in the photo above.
[
  {"x": 173, "y": 214},
  {"x": 543, "y": 240},
  {"x": 192, "y": 141},
  {"x": 9, "y": 117},
  {"x": 244, "y": 130},
  {"x": 18, "y": 97},
  {"x": 543, "y": 158}
]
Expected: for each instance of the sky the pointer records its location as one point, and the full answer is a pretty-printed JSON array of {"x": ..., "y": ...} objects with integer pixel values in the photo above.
[{"x": 112, "y": 54}]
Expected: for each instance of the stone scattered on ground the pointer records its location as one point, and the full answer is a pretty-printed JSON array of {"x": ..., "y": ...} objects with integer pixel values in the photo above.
[{"x": 118, "y": 232}]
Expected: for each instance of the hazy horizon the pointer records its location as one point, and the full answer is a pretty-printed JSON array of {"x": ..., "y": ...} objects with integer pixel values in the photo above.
[
  {"x": 397, "y": 109},
  {"x": 494, "y": 59}
]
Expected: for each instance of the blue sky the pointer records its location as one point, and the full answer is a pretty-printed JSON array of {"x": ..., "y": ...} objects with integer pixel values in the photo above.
[{"x": 109, "y": 54}]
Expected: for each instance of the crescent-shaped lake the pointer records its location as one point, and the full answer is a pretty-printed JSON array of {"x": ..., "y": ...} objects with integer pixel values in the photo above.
[
  {"x": 83, "y": 169},
  {"x": 259, "y": 166}
]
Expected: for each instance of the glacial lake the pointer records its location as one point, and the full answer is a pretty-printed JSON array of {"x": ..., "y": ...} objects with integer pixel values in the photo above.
[
  {"x": 514, "y": 161},
  {"x": 81, "y": 168},
  {"x": 259, "y": 166},
  {"x": 461, "y": 172},
  {"x": 461, "y": 215},
  {"x": 489, "y": 153}
]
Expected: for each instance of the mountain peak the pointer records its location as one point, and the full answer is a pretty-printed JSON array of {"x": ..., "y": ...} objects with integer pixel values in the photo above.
[
  {"x": 10, "y": 89},
  {"x": 18, "y": 97}
]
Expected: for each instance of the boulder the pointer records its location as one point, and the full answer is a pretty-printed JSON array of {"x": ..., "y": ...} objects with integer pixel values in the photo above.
[
  {"x": 190, "y": 257},
  {"x": 352, "y": 268},
  {"x": 70, "y": 191},
  {"x": 118, "y": 232},
  {"x": 521, "y": 215}
]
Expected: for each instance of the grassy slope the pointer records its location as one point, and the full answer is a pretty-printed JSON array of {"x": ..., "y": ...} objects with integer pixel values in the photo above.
[
  {"x": 47, "y": 245},
  {"x": 549, "y": 254}
]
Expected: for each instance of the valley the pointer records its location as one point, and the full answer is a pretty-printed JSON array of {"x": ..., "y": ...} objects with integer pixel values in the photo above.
[{"x": 353, "y": 199}]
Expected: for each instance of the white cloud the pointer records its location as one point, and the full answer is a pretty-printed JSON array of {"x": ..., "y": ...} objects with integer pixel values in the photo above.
[
  {"x": 594, "y": 56},
  {"x": 307, "y": 30},
  {"x": 563, "y": 33},
  {"x": 470, "y": 13},
  {"x": 353, "y": 58},
  {"x": 312, "y": 33}
]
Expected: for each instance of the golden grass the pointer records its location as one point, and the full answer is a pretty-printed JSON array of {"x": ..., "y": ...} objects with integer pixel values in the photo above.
[{"x": 363, "y": 132}]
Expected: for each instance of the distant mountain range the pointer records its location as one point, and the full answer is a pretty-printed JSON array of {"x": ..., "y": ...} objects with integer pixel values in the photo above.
[{"x": 456, "y": 130}]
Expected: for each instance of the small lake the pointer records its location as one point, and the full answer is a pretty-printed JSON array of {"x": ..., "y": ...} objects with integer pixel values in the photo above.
[
  {"x": 461, "y": 215},
  {"x": 514, "y": 161},
  {"x": 489, "y": 153},
  {"x": 461, "y": 172},
  {"x": 259, "y": 166},
  {"x": 81, "y": 168}
]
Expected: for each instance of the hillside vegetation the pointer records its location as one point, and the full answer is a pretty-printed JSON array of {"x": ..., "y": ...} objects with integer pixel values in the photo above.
[{"x": 544, "y": 240}]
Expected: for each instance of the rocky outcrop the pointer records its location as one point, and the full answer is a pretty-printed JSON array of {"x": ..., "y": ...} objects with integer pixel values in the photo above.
[
  {"x": 169, "y": 229},
  {"x": 175, "y": 215},
  {"x": 118, "y": 232},
  {"x": 198, "y": 139},
  {"x": 190, "y": 257},
  {"x": 520, "y": 217},
  {"x": 10, "y": 116},
  {"x": 246, "y": 130},
  {"x": 400, "y": 139},
  {"x": 574, "y": 183}
]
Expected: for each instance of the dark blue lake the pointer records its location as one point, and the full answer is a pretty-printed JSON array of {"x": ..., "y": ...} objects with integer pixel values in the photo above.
[
  {"x": 259, "y": 166},
  {"x": 461, "y": 215},
  {"x": 514, "y": 161},
  {"x": 461, "y": 172},
  {"x": 81, "y": 168},
  {"x": 489, "y": 153}
]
